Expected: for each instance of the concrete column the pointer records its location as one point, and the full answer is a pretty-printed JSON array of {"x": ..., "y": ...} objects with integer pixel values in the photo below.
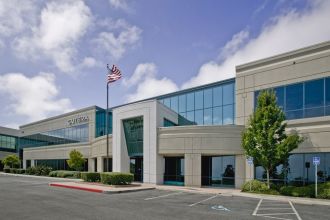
[
  {"x": 193, "y": 170},
  {"x": 99, "y": 164},
  {"x": 243, "y": 171},
  {"x": 91, "y": 167},
  {"x": 24, "y": 164},
  {"x": 32, "y": 163}
]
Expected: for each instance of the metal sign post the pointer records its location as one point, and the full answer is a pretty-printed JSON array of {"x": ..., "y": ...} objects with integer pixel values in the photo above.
[
  {"x": 250, "y": 162},
  {"x": 316, "y": 162}
]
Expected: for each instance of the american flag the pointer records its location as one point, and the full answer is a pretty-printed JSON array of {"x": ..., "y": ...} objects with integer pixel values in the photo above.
[{"x": 113, "y": 74}]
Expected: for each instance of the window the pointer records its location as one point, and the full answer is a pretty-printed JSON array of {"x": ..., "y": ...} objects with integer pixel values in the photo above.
[
  {"x": 228, "y": 94},
  {"x": 314, "y": 98},
  {"x": 182, "y": 103},
  {"x": 217, "y": 96},
  {"x": 199, "y": 100},
  {"x": 207, "y": 105},
  {"x": 190, "y": 101},
  {"x": 174, "y": 104},
  {"x": 207, "y": 98}
]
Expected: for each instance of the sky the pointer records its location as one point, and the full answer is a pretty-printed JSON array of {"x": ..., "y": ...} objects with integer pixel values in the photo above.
[{"x": 53, "y": 54}]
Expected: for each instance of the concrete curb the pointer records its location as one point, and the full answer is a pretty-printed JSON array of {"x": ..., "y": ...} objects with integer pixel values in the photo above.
[
  {"x": 100, "y": 190},
  {"x": 42, "y": 177}
]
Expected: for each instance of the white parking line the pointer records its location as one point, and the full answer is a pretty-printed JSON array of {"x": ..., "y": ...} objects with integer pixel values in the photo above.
[
  {"x": 295, "y": 211},
  {"x": 272, "y": 214},
  {"x": 156, "y": 197},
  {"x": 256, "y": 209},
  {"x": 212, "y": 197}
]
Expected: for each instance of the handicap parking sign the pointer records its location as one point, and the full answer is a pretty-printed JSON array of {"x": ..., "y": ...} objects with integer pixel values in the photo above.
[{"x": 316, "y": 160}]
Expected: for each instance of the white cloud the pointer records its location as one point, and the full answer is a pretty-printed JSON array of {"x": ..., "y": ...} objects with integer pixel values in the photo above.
[
  {"x": 62, "y": 24},
  {"x": 119, "y": 4},
  {"x": 119, "y": 39},
  {"x": 16, "y": 16},
  {"x": 288, "y": 31},
  {"x": 89, "y": 62},
  {"x": 35, "y": 97},
  {"x": 147, "y": 84}
]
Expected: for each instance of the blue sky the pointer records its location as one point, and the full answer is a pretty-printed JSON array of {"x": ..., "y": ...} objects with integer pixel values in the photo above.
[{"x": 53, "y": 54}]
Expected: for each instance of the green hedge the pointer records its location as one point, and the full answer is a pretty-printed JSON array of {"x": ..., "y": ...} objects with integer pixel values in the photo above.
[
  {"x": 114, "y": 178},
  {"x": 39, "y": 170},
  {"x": 13, "y": 170},
  {"x": 64, "y": 174},
  {"x": 20, "y": 171},
  {"x": 6, "y": 170},
  {"x": 90, "y": 176},
  {"x": 256, "y": 186}
]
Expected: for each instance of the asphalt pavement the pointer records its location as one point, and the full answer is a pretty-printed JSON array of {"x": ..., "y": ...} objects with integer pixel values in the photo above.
[{"x": 32, "y": 198}]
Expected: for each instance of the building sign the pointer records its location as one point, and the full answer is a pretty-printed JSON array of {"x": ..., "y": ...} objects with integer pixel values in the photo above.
[{"x": 78, "y": 120}]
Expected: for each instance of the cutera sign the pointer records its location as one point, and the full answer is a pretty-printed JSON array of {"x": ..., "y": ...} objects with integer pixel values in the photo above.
[{"x": 78, "y": 120}]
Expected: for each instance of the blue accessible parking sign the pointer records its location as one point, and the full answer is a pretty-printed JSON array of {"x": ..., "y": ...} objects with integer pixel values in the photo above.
[{"x": 316, "y": 160}]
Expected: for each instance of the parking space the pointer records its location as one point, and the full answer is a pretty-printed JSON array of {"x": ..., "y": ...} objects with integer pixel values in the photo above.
[{"x": 32, "y": 198}]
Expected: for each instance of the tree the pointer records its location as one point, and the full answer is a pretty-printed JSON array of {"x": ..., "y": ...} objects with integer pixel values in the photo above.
[
  {"x": 76, "y": 160},
  {"x": 11, "y": 161},
  {"x": 265, "y": 138}
]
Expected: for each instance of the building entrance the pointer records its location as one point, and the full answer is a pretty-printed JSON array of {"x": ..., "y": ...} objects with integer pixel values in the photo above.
[{"x": 136, "y": 168}]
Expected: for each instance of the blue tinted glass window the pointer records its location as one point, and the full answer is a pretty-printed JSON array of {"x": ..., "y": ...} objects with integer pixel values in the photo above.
[
  {"x": 228, "y": 114},
  {"x": 199, "y": 117},
  {"x": 217, "y": 96},
  {"x": 280, "y": 96},
  {"x": 199, "y": 100},
  {"x": 167, "y": 102},
  {"x": 207, "y": 98},
  {"x": 208, "y": 116},
  {"x": 191, "y": 116},
  {"x": 256, "y": 94},
  {"x": 174, "y": 104},
  {"x": 228, "y": 94},
  {"x": 327, "y": 91},
  {"x": 217, "y": 116},
  {"x": 182, "y": 103},
  {"x": 314, "y": 95},
  {"x": 294, "y": 97},
  {"x": 190, "y": 101}
]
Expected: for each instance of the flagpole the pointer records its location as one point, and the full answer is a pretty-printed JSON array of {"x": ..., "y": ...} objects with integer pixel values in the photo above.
[{"x": 106, "y": 128}]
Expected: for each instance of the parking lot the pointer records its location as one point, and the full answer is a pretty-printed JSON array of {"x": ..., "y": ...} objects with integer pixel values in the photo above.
[{"x": 32, "y": 198}]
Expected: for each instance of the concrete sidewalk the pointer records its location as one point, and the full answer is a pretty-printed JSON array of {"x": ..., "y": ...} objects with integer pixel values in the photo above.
[
  {"x": 101, "y": 188},
  {"x": 237, "y": 192}
]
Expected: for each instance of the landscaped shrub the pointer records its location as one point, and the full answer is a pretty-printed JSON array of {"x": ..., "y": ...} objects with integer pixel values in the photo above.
[
  {"x": 303, "y": 191},
  {"x": 31, "y": 170},
  {"x": 6, "y": 170},
  {"x": 256, "y": 186},
  {"x": 324, "y": 194},
  {"x": 13, "y": 170},
  {"x": 20, "y": 171},
  {"x": 64, "y": 173},
  {"x": 90, "y": 176},
  {"x": 77, "y": 174},
  {"x": 114, "y": 178},
  {"x": 39, "y": 170},
  {"x": 287, "y": 190}
]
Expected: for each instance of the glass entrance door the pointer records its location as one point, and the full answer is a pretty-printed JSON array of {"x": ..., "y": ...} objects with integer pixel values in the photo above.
[{"x": 136, "y": 168}]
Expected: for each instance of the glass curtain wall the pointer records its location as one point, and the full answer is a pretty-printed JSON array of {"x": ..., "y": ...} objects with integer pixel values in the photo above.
[
  {"x": 300, "y": 170},
  {"x": 211, "y": 105},
  {"x": 133, "y": 129},
  {"x": 218, "y": 171},
  {"x": 57, "y": 164},
  {"x": 69, "y": 135},
  {"x": 100, "y": 120},
  {"x": 304, "y": 100},
  {"x": 174, "y": 171},
  {"x": 8, "y": 143}
]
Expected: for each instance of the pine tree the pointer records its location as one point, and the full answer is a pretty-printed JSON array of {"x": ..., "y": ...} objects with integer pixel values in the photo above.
[{"x": 265, "y": 138}]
